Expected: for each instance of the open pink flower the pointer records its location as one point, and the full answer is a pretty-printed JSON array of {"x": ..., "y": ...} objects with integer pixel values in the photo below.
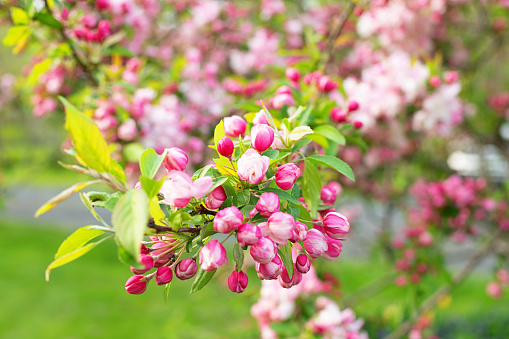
[
  {"x": 180, "y": 188},
  {"x": 252, "y": 166}
]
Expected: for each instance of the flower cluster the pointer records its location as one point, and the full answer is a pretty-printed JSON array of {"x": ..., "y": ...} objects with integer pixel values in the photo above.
[{"x": 277, "y": 305}]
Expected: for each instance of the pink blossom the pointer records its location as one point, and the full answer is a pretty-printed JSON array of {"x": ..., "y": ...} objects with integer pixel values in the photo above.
[
  {"x": 180, "y": 188},
  {"x": 234, "y": 126},
  {"x": 270, "y": 270},
  {"x": 292, "y": 74},
  {"x": 282, "y": 99},
  {"x": 334, "y": 248},
  {"x": 281, "y": 227},
  {"x": 268, "y": 204},
  {"x": 212, "y": 255},
  {"x": 315, "y": 243},
  {"x": 216, "y": 198},
  {"x": 176, "y": 159},
  {"x": 335, "y": 225},
  {"x": 260, "y": 118},
  {"x": 237, "y": 282},
  {"x": 186, "y": 269},
  {"x": 252, "y": 166},
  {"x": 225, "y": 147},
  {"x": 248, "y": 234},
  {"x": 262, "y": 137},
  {"x": 227, "y": 220},
  {"x": 137, "y": 284},
  {"x": 264, "y": 250},
  {"x": 302, "y": 263},
  {"x": 286, "y": 176},
  {"x": 163, "y": 275}
]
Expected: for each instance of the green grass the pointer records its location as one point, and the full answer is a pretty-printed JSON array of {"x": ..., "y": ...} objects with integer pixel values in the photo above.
[{"x": 86, "y": 299}]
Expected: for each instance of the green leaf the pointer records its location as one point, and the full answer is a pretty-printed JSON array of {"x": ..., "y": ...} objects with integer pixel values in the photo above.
[
  {"x": 48, "y": 20},
  {"x": 243, "y": 197},
  {"x": 151, "y": 186},
  {"x": 126, "y": 258},
  {"x": 299, "y": 144},
  {"x": 39, "y": 69},
  {"x": 299, "y": 132},
  {"x": 50, "y": 204},
  {"x": 207, "y": 231},
  {"x": 19, "y": 16},
  {"x": 112, "y": 200},
  {"x": 305, "y": 217},
  {"x": 219, "y": 181},
  {"x": 238, "y": 256},
  {"x": 88, "y": 204},
  {"x": 280, "y": 157},
  {"x": 293, "y": 211},
  {"x": 272, "y": 154},
  {"x": 331, "y": 133},
  {"x": 335, "y": 163},
  {"x": 129, "y": 219},
  {"x": 202, "y": 278},
  {"x": 269, "y": 118},
  {"x": 87, "y": 139},
  {"x": 119, "y": 50},
  {"x": 150, "y": 162},
  {"x": 72, "y": 247},
  {"x": 133, "y": 151},
  {"x": 166, "y": 292},
  {"x": 319, "y": 139},
  {"x": 311, "y": 186},
  {"x": 282, "y": 194},
  {"x": 285, "y": 252},
  {"x": 305, "y": 115},
  {"x": 17, "y": 35},
  {"x": 219, "y": 132}
]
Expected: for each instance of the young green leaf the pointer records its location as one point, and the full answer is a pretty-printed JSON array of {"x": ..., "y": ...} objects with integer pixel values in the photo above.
[
  {"x": 88, "y": 204},
  {"x": 300, "y": 132},
  {"x": 87, "y": 139},
  {"x": 285, "y": 252},
  {"x": 151, "y": 186},
  {"x": 238, "y": 256},
  {"x": 202, "y": 278},
  {"x": 129, "y": 219},
  {"x": 331, "y": 133},
  {"x": 150, "y": 162},
  {"x": 50, "y": 204},
  {"x": 311, "y": 186},
  {"x": 219, "y": 132},
  {"x": 335, "y": 163}
]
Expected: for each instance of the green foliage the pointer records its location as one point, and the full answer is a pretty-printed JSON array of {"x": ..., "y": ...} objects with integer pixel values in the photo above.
[
  {"x": 285, "y": 252},
  {"x": 238, "y": 256},
  {"x": 150, "y": 162},
  {"x": 311, "y": 187},
  {"x": 74, "y": 247},
  {"x": 334, "y": 163},
  {"x": 202, "y": 278},
  {"x": 129, "y": 218}
]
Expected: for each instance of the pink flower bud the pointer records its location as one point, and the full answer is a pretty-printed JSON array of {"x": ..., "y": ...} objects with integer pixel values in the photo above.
[
  {"x": 328, "y": 195},
  {"x": 264, "y": 250},
  {"x": 282, "y": 99},
  {"x": 302, "y": 263},
  {"x": 286, "y": 282},
  {"x": 300, "y": 232},
  {"x": 292, "y": 74},
  {"x": 357, "y": 124},
  {"x": 287, "y": 175},
  {"x": 315, "y": 243},
  {"x": 136, "y": 284},
  {"x": 262, "y": 137},
  {"x": 337, "y": 114},
  {"x": 353, "y": 106},
  {"x": 335, "y": 225},
  {"x": 228, "y": 220},
  {"x": 425, "y": 239},
  {"x": 252, "y": 166},
  {"x": 268, "y": 204},
  {"x": 163, "y": 275},
  {"x": 176, "y": 159},
  {"x": 234, "y": 126},
  {"x": 400, "y": 281},
  {"x": 494, "y": 290},
  {"x": 271, "y": 270},
  {"x": 104, "y": 29},
  {"x": 161, "y": 253},
  {"x": 248, "y": 234},
  {"x": 237, "y": 282},
  {"x": 264, "y": 228},
  {"x": 147, "y": 261},
  {"x": 186, "y": 269},
  {"x": 212, "y": 255},
  {"x": 215, "y": 198},
  {"x": 435, "y": 81},
  {"x": 334, "y": 248},
  {"x": 281, "y": 227},
  {"x": 260, "y": 118},
  {"x": 450, "y": 77},
  {"x": 284, "y": 89},
  {"x": 225, "y": 147},
  {"x": 325, "y": 84}
]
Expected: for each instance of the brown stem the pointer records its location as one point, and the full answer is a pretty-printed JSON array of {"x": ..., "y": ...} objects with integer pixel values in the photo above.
[
  {"x": 432, "y": 300},
  {"x": 160, "y": 228},
  {"x": 76, "y": 57},
  {"x": 335, "y": 33}
]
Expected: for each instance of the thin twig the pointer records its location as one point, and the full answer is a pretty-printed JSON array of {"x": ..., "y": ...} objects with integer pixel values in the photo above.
[{"x": 429, "y": 303}]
